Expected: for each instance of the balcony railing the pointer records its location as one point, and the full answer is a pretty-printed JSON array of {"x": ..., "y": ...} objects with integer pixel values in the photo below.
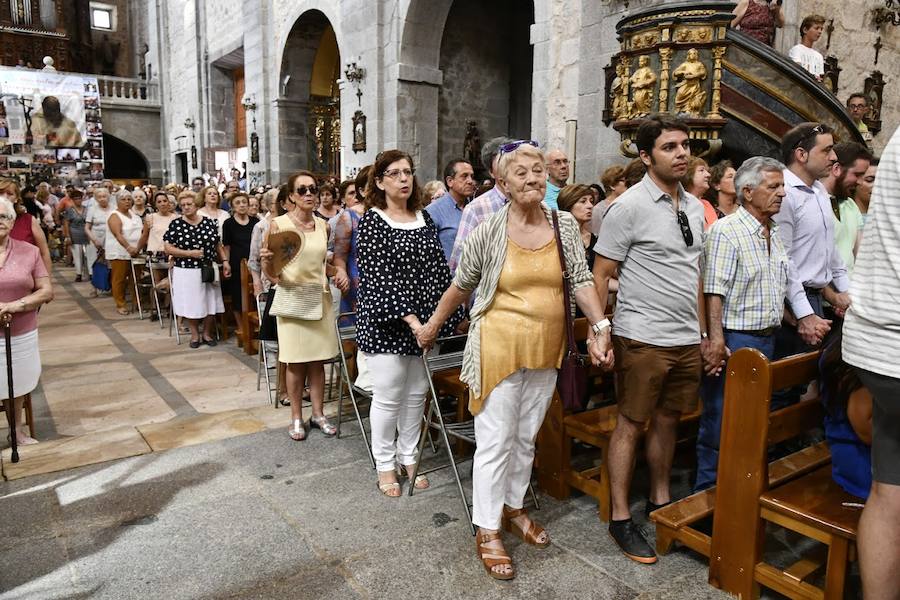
[{"x": 128, "y": 91}]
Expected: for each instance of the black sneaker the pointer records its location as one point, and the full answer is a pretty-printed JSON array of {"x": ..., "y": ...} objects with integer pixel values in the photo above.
[
  {"x": 631, "y": 542},
  {"x": 650, "y": 507}
]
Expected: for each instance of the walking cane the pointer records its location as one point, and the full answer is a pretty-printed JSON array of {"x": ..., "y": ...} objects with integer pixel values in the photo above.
[{"x": 11, "y": 407}]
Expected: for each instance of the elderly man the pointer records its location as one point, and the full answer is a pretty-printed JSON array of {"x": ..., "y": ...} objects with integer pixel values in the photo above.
[
  {"x": 446, "y": 211},
  {"x": 744, "y": 281},
  {"x": 481, "y": 208},
  {"x": 816, "y": 271},
  {"x": 871, "y": 343},
  {"x": 197, "y": 184},
  {"x": 557, "y": 176},
  {"x": 850, "y": 167},
  {"x": 652, "y": 240}
]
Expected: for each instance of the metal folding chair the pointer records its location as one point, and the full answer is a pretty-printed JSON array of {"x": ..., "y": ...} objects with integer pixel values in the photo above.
[
  {"x": 263, "y": 368},
  {"x": 436, "y": 361},
  {"x": 156, "y": 269},
  {"x": 357, "y": 394},
  {"x": 138, "y": 285},
  {"x": 173, "y": 316}
]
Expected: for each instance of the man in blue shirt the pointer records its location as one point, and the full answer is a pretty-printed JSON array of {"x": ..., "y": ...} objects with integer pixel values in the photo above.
[
  {"x": 446, "y": 211},
  {"x": 557, "y": 175}
]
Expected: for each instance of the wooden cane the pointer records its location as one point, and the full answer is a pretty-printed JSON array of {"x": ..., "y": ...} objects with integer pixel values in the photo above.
[{"x": 11, "y": 407}]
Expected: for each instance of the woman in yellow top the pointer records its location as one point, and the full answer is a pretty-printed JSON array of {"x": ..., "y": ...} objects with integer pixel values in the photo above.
[
  {"x": 516, "y": 342},
  {"x": 303, "y": 345}
]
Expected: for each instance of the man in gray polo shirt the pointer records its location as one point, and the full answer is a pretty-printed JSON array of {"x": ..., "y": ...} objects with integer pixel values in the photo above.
[{"x": 653, "y": 237}]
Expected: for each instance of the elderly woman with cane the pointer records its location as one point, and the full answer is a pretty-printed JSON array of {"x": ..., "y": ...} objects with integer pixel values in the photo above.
[
  {"x": 517, "y": 340},
  {"x": 24, "y": 286}
]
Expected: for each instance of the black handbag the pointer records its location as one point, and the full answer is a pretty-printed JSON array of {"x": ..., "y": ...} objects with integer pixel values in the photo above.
[
  {"x": 207, "y": 272},
  {"x": 571, "y": 383}
]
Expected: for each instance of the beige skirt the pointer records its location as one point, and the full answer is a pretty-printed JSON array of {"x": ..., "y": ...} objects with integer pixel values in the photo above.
[{"x": 26, "y": 365}]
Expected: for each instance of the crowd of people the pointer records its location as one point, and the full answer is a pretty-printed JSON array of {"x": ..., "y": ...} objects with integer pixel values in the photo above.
[{"x": 692, "y": 260}]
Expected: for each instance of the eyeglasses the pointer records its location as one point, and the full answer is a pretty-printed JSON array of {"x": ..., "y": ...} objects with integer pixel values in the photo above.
[
  {"x": 303, "y": 190},
  {"x": 396, "y": 173},
  {"x": 511, "y": 146},
  {"x": 7, "y": 217},
  {"x": 857, "y": 106},
  {"x": 812, "y": 133},
  {"x": 685, "y": 226}
]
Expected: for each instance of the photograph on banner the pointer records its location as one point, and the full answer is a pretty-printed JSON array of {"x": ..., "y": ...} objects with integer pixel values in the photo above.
[{"x": 51, "y": 119}]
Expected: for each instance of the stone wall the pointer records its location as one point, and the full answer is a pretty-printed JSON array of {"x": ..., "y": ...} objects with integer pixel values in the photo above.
[{"x": 122, "y": 41}]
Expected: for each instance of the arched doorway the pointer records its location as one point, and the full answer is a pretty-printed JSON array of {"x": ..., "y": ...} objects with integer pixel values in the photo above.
[
  {"x": 122, "y": 160},
  {"x": 309, "y": 123},
  {"x": 487, "y": 62}
]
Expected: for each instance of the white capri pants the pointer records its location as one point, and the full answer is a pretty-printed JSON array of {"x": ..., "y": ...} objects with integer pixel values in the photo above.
[
  {"x": 505, "y": 431},
  {"x": 399, "y": 385}
]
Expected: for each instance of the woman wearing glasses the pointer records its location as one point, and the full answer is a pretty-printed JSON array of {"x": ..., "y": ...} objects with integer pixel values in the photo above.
[
  {"x": 303, "y": 343},
  {"x": 516, "y": 342},
  {"x": 402, "y": 273}
]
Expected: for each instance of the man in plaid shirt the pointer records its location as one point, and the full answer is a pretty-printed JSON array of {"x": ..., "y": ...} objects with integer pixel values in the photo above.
[{"x": 745, "y": 282}]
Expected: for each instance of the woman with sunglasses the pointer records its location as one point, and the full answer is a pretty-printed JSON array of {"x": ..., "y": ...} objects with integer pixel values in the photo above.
[
  {"x": 517, "y": 340},
  {"x": 402, "y": 273},
  {"x": 304, "y": 344}
]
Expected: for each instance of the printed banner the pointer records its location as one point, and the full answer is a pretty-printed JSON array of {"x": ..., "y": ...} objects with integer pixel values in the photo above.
[{"x": 50, "y": 126}]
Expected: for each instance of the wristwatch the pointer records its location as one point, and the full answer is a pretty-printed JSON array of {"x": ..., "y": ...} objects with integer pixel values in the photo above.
[{"x": 600, "y": 326}]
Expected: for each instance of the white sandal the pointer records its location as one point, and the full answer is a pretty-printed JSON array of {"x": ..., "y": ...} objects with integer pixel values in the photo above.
[{"x": 297, "y": 430}]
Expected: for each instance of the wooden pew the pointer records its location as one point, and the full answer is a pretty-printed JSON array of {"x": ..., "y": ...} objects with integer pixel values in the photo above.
[
  {"x": 811, "y": 504},
  {"x": 554, "y": 459},
  {"x": 249, "y": 315}
]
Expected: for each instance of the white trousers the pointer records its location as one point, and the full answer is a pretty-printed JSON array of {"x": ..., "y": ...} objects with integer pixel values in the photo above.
[
  {"x": 505, "y": 431},
  {"x": 90, "y": 255},
  {"x": 399, "y": 385},
  {"x": 79, "y": 258}
]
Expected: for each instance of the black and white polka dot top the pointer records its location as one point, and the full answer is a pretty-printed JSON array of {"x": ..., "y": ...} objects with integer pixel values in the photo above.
[
  {"x": 184, "y": 236},
  {"x": 402, "y": 271}
]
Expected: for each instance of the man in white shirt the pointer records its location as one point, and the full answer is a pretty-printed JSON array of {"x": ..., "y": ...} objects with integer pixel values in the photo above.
[
  {"x": 871, "y": 343},
  {"x": 804, "y": 53}
]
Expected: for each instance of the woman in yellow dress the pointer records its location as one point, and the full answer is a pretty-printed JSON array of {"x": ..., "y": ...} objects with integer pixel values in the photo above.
[
  {"x": 303, "y": 345},
  {"x": 516, "y": 342}
]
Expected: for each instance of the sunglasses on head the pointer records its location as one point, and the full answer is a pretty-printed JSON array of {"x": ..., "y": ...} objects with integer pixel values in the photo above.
[
  {"x": 512, "y": 146},
  {"x": 303, "y": 190},
  {"x": 812, "y": 133},
  {"x": 685, "y": 226}
]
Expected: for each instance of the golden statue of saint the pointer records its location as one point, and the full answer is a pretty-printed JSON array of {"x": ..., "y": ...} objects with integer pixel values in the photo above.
[
  {"x": 690, "y": 75},
  {"x": 642, "y": 82},
  {"x": 619, "y": 94}
]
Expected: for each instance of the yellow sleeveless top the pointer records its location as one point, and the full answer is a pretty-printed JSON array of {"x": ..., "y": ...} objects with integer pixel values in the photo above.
[{"x": 525, "y": 326}]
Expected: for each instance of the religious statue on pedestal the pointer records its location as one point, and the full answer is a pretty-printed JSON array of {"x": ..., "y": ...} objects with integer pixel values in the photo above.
[
  {"x": 690, "y": 75},
  {"x": 620, "y": 107},
  {"x": 642, "y": 82}
]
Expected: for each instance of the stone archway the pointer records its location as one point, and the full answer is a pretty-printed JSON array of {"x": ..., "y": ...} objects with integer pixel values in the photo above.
[
  {"x": 487, "y": 63},
  {"x": 122, "y": 160},
  {"x": 309, "y": 98}
]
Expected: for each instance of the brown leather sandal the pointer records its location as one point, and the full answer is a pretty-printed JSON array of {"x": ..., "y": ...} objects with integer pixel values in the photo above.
[
  {"x": 530, "y": 536},
  {"x": 492, "y": 557}
]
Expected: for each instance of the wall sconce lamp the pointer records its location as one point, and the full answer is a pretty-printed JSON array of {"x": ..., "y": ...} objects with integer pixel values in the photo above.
[
  {"x": 189, "y": 123},
  {"x": 889, "y": 13},
  {"x": 355, "y": 74},
  {"x": 249, "y": 104}
]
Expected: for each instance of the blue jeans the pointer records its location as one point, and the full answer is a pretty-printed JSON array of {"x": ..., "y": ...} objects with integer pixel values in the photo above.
[{"x": 713, "y": 393}]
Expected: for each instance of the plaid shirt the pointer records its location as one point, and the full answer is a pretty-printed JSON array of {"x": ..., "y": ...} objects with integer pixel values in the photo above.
[
  {"x": 474, "y": 214},
  {"x": 740, "y": 267}
]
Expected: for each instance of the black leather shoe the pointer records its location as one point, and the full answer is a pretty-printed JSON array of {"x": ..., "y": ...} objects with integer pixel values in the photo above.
[
  {"x": 194, "y": 344},
  {"x": 211, "y": 342},
  {"x": 650, "y": 507},
  {"x": 631, "y": 542}
]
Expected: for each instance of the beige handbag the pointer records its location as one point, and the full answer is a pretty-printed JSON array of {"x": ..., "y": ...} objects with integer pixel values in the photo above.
[{"x": 302, "y": 301}]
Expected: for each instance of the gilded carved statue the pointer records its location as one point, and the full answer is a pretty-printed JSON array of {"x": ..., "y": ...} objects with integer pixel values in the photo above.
[
  {"x": 642, "y": 83},
  {"x": 690, "y": 75},
  {"x": 620, "y": 108}
]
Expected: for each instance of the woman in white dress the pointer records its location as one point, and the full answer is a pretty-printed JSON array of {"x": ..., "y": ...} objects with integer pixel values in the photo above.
[{"x": 122, "y": 243}]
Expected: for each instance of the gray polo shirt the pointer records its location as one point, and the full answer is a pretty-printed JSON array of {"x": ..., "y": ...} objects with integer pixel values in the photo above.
[{"x": 659, "y": 275}]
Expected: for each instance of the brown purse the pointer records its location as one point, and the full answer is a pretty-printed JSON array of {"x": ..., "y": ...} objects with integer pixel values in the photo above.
[{"x": 571, "y": 383}]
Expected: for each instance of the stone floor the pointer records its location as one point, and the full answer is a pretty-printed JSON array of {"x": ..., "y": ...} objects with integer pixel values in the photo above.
[{"x": 190, "y": 488}]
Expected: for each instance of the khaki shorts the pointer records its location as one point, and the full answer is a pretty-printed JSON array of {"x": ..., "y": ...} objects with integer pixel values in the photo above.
[{"x": 650, "y": 377}]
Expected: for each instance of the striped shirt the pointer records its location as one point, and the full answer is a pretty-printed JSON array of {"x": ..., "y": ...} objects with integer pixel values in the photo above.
[
  {"x": 480, "y": 265},
  {"x": 740, "y": 267},
  {"x": 474, "y": 214},
  {"x": 872, "y": 325}
]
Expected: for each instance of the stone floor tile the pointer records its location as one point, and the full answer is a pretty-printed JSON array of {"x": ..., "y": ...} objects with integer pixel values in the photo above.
[{"x": 197, "y": 430}]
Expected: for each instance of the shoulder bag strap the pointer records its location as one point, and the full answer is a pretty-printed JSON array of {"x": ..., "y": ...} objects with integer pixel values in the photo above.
[{"x": 570, "y": 325}]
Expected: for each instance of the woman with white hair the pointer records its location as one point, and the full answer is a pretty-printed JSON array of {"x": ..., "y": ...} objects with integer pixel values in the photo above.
[
  {"x": 516, "y": 341},
  {"x": 24, "y": 286},
  {"x": 95, "y": 228},
  {"x": 123, "y": 236}
]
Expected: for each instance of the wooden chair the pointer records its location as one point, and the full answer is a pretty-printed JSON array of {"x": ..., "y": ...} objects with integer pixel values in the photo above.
[
  {"x": 29, "y": 414},
  {"x": 812, "y": 504},
  {"x": 594, "y": 427},
  {"x": 249, "y": 314}
]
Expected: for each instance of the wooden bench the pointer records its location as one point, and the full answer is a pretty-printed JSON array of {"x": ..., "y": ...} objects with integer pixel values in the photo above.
[
  {"x": 249, "y": 314},
  {"x": 811, "y": 504},
  {"x": 556, "y": 476}
]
